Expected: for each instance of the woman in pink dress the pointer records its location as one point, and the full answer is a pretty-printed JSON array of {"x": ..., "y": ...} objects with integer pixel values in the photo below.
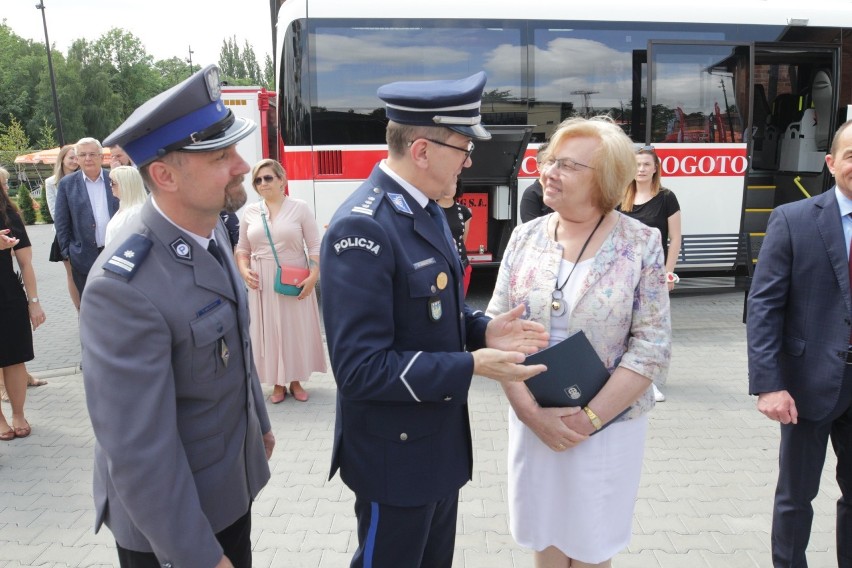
[{"x": 285, "y": 330}]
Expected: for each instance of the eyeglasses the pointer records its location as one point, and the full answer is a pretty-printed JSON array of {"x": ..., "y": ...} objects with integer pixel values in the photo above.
[
  {"x": 467, "y": 152},
  {"x": 267, "y": 179},
  {"x": 646, "y": 148},
  {"x": 113, "y": 183},
  {"x": 85, "y": 155},
  {"x": 565, "y": 165}
]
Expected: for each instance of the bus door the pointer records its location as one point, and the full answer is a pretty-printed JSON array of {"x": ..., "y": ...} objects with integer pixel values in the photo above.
[
  {"x": 697, "y": 106},
  {"x": 795, "y": 101},
  {"x": 490, "y": 187}
]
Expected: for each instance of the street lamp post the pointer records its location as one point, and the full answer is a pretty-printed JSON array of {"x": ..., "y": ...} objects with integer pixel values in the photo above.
[
  {"x": 40, "y": 6},
  {"x": 190, "y": 60}
]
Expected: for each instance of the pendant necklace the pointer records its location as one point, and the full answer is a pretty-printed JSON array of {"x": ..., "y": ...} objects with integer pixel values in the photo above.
[{"x": 557, "y": 305}]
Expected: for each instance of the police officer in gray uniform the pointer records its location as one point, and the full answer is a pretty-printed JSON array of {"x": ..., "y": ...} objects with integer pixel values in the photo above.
[
  {"x": 403, "y": 344},
  {"x": 182, "y": 434}
]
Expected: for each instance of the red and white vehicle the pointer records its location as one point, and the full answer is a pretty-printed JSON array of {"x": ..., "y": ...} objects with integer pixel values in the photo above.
[
  {"x": 739, "y": 100},
  {"x": 256, "y": 104}
]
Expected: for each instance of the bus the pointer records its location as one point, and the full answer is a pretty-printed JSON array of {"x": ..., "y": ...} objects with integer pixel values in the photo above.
[{"x": 738, "y": 98}]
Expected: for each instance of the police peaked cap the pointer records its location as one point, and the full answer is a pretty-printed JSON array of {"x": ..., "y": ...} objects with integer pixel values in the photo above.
[
  {"x": 190, "y": 117},
  {"x": 453, "y": 104}
]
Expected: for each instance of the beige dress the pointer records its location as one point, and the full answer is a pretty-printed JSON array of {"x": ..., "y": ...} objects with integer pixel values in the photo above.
[{"x": 285, "y": 332}]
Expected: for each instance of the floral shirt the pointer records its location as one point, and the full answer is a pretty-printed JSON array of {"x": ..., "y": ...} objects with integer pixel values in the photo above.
[{"x": 622, "y": 305}]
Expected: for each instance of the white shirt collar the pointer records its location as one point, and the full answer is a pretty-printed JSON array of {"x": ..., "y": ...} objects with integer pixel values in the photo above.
[
  {"x": 843, "y": 202},
  {"x": 203, "y": 241}
]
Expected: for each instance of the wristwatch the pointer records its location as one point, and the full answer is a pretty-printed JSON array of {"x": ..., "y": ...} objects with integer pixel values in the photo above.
[
  {"x": 596, "y": 422},
  {"x": 34, "y": 300}
]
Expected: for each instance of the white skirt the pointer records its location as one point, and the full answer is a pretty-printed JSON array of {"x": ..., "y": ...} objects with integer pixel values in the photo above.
[{"x": 581, "y": 500}]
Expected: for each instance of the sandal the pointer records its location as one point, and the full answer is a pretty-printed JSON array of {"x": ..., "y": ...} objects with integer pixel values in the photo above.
[
  {"x": 34, "y": 382},
  {"x": 23, "y": 431},
  {"x": 8, "y": 435}
]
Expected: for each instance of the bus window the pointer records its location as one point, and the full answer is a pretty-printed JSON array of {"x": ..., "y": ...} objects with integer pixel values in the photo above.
[
  {"x": 693, "y": 95},
  {"x": 351, "y": 60}
]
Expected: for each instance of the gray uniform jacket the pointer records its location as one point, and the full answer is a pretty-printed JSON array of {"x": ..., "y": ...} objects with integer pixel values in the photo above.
[{"x": 172, "y": 392}]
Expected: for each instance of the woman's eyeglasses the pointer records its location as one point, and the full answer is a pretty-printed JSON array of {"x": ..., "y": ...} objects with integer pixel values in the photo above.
[
  {"x": 565, "y": 165},
  {"x": 267, "y": 179}
]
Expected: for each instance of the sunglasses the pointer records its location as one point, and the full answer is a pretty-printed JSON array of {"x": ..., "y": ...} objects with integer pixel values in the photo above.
[
  {"x": 646, "y": 148},
  {"x": 267, "y": 179}
]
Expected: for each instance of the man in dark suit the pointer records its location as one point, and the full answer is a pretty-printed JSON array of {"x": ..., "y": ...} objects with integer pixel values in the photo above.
[
  {"x": 398, "y": 330},
  {"x": 181, "y": 428},
  {"x": 84, "y": 206},
  {"x": 800, "y": 359}
]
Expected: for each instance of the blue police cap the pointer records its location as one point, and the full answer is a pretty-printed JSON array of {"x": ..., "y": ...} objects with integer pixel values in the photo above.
[
  {"x": 189, "y": 117},
  {"x": 452, "y": 104}
]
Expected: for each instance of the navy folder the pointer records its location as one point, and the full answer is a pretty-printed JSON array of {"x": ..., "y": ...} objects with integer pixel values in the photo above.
[{"x": 574, "y": 373}]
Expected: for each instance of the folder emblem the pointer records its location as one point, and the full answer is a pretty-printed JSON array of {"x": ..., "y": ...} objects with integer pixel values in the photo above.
[{"x": 573, "y": 392}]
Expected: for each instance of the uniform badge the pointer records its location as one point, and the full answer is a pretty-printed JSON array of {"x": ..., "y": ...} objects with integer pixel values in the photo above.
[
  {"x": 129, "y": 256},
  {"x": 435, "y": 308},
  {"x": 181, "y": 248},
  {"x": 442, "y": 280},
  {"x": 357, "y": 243},
  {"x": 224, "y": 352},
  {"x": 573, "y": 392},
  {"x": 399, "y": 203}
]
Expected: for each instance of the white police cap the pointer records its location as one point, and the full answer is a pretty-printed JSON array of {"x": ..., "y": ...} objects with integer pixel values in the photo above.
[
  {"x": 189, "y": 117},
  {"x": 454, "y": 104}
]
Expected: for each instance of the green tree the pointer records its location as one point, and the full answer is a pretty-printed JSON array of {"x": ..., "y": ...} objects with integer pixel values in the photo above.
[
  {"x": 230, "y": 62},
  {"x": 250, "y": 64},
  {"x": 13, "y": 141},
  {"x": 43, "y": 208},
  {"x": 268, "y": 73},
  {"x": 25, "y": 204},
  {"x": 46, "y": 135},
  {"x": 172, "y": 71}
]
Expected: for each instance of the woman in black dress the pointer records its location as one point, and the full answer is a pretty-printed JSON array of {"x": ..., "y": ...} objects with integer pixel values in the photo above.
[
  {"x": 458, "y": 218},
  {"x": 648, "y": 201},
  {"x": 21, "y": 311}
]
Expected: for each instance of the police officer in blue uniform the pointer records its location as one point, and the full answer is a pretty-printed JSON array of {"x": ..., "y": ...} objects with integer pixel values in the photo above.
[
  {"x": 403, "y": 344},
  {"x": 182, "y": 436}
]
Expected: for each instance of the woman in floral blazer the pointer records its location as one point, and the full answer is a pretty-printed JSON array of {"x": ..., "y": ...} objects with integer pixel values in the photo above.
[{"x": 585, "y": 267}]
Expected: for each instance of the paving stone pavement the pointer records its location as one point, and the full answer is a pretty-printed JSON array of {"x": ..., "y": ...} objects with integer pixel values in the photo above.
[{"x": 705, "y": 498}]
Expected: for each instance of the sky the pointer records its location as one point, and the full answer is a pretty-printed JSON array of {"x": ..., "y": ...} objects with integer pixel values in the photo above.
[{"x": 167, "y": 28}]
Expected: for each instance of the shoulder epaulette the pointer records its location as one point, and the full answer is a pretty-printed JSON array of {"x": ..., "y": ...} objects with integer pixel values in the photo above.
[
  {"x": 129, "y": 256},
  {"x": 370, "y": 204}
]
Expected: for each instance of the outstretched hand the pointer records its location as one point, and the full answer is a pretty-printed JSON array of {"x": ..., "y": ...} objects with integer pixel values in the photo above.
[
  {"x": 508, "y": 332},
  {"x": 503, "y": 366}
]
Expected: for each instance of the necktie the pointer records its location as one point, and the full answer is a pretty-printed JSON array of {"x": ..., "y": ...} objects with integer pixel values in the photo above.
[
  {"x": 850, "y": 277},
  {"x": 438, "y": 217},
  {"x": 213, "y": 249}
]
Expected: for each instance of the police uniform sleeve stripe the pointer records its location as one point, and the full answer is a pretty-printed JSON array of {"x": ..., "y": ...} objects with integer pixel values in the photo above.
[{"x": 404, "y": 371}]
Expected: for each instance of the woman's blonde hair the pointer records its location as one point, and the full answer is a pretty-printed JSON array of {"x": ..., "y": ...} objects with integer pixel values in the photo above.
[
  {"x": 630, "y": 192},
  {"x": 131, "y": 188},
  {"x": 613, "y": 163},
  {"x": 276, "y": 167},
  {"x": 59, "y": 167}
]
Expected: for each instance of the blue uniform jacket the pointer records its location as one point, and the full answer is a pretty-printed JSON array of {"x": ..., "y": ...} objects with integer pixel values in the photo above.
[{"x": 397, "y": 330}]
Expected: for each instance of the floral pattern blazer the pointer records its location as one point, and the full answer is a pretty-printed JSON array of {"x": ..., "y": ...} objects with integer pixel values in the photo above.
[{"x": 622, "y": 306}]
